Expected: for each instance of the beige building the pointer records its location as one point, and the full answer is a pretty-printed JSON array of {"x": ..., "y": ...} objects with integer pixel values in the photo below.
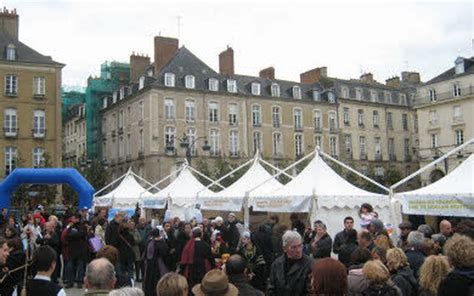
[
  {"x": 30, "y": 101},
  {"x": 74, "y": 136},
  {"x": 445, "y": 108}
]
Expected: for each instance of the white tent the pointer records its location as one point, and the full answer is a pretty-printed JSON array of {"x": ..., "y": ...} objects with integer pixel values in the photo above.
[
  {"x": 124, "y": 196},
  {"x": 335, "y": 197},
  {"x": 232, "y": 197},
  {"x": 452, "y": 195}
]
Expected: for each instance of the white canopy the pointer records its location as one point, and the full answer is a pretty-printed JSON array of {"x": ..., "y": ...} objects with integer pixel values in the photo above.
[
  {"x": 232, "y": 197},
  {"x": 124, "y": 196},
  {"x": 452, "y": 195}
]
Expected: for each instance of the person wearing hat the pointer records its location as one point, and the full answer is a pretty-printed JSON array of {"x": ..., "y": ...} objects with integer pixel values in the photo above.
[
  {"x": 231, "y": 233},
  {"x": 156, "y": 259},
  {"x": 255, "y": 261},
  {"x": 405, "y": 229},
  {"x": 321, "y": 245},
  {"x": 215, "y": 283}
]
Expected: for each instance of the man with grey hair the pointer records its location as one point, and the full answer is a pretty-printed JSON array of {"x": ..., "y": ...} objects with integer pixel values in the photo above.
[
  {"x": 414, "y": 253},
  {"x": 100, "y": 277},
  {"x": 290, "y": 272}
]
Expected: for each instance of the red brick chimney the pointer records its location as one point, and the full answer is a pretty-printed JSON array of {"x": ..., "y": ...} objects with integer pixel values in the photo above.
[
  {"x": 138, "y": 65},
  {"x": 268, "y": 73},
  {"x": 165, "y": 49},
  {"x": 9, "y": 22},
  {"x": 226, "y": 61},
  {"x": 313, "y": 76}
]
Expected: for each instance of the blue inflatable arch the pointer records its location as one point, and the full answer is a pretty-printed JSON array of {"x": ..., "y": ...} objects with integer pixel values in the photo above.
[{"x": 46, "y": 176}]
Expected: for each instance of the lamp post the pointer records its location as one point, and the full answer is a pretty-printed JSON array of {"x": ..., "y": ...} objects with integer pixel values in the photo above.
[{"x": 188, "y": 145}]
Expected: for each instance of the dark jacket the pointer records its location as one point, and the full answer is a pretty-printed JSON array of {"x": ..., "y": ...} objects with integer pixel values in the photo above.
[
  {"x": 76, "y": 238},
  {"x": 339, "y": 240},
  {"x": 323, "y": 247},
  {"x": 387, "y": 289},
  {"x": 345, "y": 253},
  {"x": 415, "y": 259},
  {"x": 231, "y": 235},
  {"x": 289, "y": 278},
  {"x": 242, "y": 284},
  {"x": 112, "y": 234},
  {"x": 459, "y": 282},
  {"x": 404, "y": 279}
]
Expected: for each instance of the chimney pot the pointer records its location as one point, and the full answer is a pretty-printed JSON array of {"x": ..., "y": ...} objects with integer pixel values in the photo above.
[
  {"x": 313, "y": 76},
  {"x": 138, "y": 65},
  {"x": 268, "y": 73},
  {"x": 165, "y": 49},
  {"x": 226, "y": 61},
  {"x": 9, "y": 22}
]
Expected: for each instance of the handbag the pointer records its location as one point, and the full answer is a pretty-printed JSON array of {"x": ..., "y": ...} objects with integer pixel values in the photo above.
[{"x": 95, "y": 243}]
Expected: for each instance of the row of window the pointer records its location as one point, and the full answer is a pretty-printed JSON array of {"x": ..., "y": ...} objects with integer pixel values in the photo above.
[
  {"x": 11, "y": 154},
  {"x": 432, "y": 94},
  {"x": 11, "y": 85},
  {"x": 377, "y": 147},
  {"x": 373, "y": 95},
  {"x": 10, "y": 123},
  {"x": 375, "y": 118},
  {"x": 457, "y": 115},
  {"x": 458, "y": 138}
]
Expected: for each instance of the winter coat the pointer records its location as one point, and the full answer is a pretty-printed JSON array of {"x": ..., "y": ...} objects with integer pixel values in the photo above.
[
  {"x": 345, "y": 252},
  {"x": 339, "y": 240},
  {"x": 459, "y": 282},
  {"x": 288, "y": 280},
  {"x": 415, "y": 258},
  {"x": 137, "y": 239},
  {"x": 355, "y": 281},
  {"x": 112, "y": 234},
  {"x": 404, "y": 279},
  {"x": 78, "y": 247},
  {"x": 323, "y": 247},
  {"x": 242, "y": 284},
  {"x": 386, "y": 289}
]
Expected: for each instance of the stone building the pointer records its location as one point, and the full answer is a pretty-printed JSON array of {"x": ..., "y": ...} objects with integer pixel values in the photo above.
[
  {"x": 30, "y": 101},
  {"x": 74, "y": 135}
]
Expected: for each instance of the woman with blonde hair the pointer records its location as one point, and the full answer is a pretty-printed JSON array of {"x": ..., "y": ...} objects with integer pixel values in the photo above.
[
  {"x": 432, "y": 272},
  {"x": 378, "y": 279},
  {"x": 172, "y": 284},
  {"x": 401, "y": 273}
]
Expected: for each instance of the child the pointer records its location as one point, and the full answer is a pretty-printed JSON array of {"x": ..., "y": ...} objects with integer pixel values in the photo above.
[{"x": 367, "y": 215}]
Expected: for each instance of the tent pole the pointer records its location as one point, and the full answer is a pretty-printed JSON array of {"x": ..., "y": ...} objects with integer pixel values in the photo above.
[
  {"x": 277, "y": 169},
  {"x": 228, "y": 174},
  {"x": 434, "y": 162},
  {"x": 246, "y": 211},
  {"x": 167, "y": 177},
  {"x": 112, "y": 183},
  {"x": 206, "y": 177},
  {"x": 354, "y": 171}
]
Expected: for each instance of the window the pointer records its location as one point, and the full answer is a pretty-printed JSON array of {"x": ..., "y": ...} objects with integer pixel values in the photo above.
[
  {"x": 277, "y": 144},
  {"x": 406, "y": 147},
  {"x": 213, "y": 112},
  {"x": 378, "y": 148},
  {"x": 169, "y": 109},
  {"x": 141, "y": 142},
  {"x": 122, "y": 93},
  {"x": 359, "y": 93},
  {"x": 432, "y": 94},
  {"x": 256, "y": 115},
  {"x": 191, "y": 135},
  {"x": 362, "y": 148},
  {"x": 403, "y": 99},
  {"x": 10, "y": 159},
  {"x": 388, "y": 97},
  {"x": 276, "y": 116},
  {"x": 11, "y": 52},
  {"x": 232, "y": 111},
  {"x": 128, "y": 151},
  {"x": 104, "y": 103},
  {"x": 39, "y": 123},
  {"x": 169, "y": 79},
  {"x": 391, "y": 148},
  {"x": 37, "y": 157},
  {"x": 213, "y": 84},
  {"x": 170, "y": 134},
  {"x": 120, "y": 119},
  {"x": 275, "y": 90},
  {"x": 121, "y": 147},
  {"x": 317, "y": 120},
  {"x": 364, "y": 170},
  {"x": 434, "y": 140},
  {"x": 233, "y": 143},
  {"x": 332, "y": 121},
  {"x": 373, "y": 95},
  {"x": 141, "y": 110},
  {"x": 456, "y": 90},
  {"x": 331, "y": 97},
  {"x": 214, "y": 142},
  {"x": 405, "y": 122},
  {"x": 345, "y": 116},
  {"x": 433, "y": 117},
  {"x": 189, "y": 81},
  {"x": 10, "y": 123},
  {"x": 375, "y": 118},
  {"x": 348, "y": 143},
  {"x": 190, "y": 111},
  {"x": 459, "y": 66},
  {"x": 114, "y": 97},
  {"x": 459, "y": 136},
  {"x": 318, "y": 142},
  {"x": 389, "y": 120},
  {"x": 298, "y": 118},
  {"x": 379, "y": 171},
  {"x": 415, "y": 122},
  {"x": 333, "y": 145},
  {"x": 457, "y": 114},
  {"x": 39, "y": 86},
  {"x": 255, "y": 88},
  {"x": 360, "y": 117},
  {"x": 298, "y": 145},
  {"x": 345, "y": 92},
  {"x": 257, "y": 141},
  {"x": 11, "y": 85},
  {"x": 141, "y": 82},
  {"x": 231, "y": 85},
  {"x": 296, "y": 92}
]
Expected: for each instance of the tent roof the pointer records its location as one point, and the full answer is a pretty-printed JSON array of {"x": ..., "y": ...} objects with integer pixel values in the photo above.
[
  {"x": 458, "y": 181},
  {"x": 127, "y": 193},
  {"x": 185, "y": 186}
]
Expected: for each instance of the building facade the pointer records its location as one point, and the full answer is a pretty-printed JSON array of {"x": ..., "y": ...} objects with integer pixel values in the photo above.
[
  {"x": 74, "y": 135},
  {"x": 445, "y": 109},
  {"x": 30, "y": 101}
]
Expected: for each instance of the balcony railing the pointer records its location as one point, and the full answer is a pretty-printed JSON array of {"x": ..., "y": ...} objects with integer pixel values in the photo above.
[
  {"x": 378, "y": 157},
  {"x": 234, "y": 154},
  {"x": 318, "y": 129},
  {"x": 215, "y": 153},
  {"x": 10, "y": 132},
  {"x": 38, "y": 133},
  {"x": 298, "y": 129},
  {"x": 276, "y": 125},
  {"x": 466, "y": 91},
  {"x": 333, "y": 129}
]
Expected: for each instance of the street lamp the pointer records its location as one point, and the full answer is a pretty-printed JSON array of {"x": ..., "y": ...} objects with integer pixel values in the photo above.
[{"x": 185, "y": 143}]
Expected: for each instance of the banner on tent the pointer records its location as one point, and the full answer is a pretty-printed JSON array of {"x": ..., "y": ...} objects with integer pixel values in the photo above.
[
  {"x": 221, "y": 203},
  {"x": 438, "y": 205},
  {"x": 103, "y": 202},
  {"x": 282, "y": 204},
  {"x": 154, "y": 203}
]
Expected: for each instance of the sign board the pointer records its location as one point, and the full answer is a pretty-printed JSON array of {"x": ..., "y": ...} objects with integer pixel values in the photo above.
[
  {"x": 455, "y": 205},
  {"x": 299, "y": 204}
]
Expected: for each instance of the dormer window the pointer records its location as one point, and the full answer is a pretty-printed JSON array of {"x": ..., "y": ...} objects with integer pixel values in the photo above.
[
  {"x": 459, "y": 65},
  {"x": 189, "y": 81},
  {"x": 231, "y": 85},
  {"x": 275, "y": 89},
  {"x": 255, "y": 88},
  {"x": 296, "y": 92},
  {"x": 345, "y": 92},
  {"x": 213, "y": 84},
  {"x": 388, "y": 97},
  {"x": 11, "y": 52},
  {"x": 403, "y": 99},
  {"x": 432, "y": 94},
  {"x": 104, "y": 103},
  {"x": 316, "y": 95},
  {"x": 331, "y": 97},
  {"x": 122, "y": 93},
  {"x": 359, "y": 93},
  {"x": 141, "y": 82},
  {"x": 114, "y": 97},
  {"x": 169, "y": 79},
  {"x": 373, "y": 95}
]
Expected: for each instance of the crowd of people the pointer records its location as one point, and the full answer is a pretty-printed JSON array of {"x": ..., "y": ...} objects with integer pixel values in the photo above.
[{"x": 47, "y": 255}]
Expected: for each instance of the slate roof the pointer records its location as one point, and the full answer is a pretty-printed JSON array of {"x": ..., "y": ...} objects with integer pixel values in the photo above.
[
  {"x": 24, "y": 53},
  {"x": 450, "y": 74}
]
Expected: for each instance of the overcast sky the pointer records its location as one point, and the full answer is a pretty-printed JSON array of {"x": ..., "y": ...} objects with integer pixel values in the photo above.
[{"x": 347, "y": 37}]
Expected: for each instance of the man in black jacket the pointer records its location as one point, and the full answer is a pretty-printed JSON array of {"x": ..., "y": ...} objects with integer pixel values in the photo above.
[
  {"x": 44, "y": 262},
  {"x": 341, "y": 237},
  {"x": 235, "y": 268},
  {"x": 76, "y": 238},
  {"x": 290, "y": 272},
  {"x": 112, "y": 230}
]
